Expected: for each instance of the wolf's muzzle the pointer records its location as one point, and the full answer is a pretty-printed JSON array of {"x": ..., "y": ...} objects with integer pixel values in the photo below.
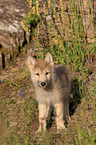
[{"x": 42, "y": 84}]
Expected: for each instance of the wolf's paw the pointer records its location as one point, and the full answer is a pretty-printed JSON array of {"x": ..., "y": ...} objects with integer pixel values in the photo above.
[
  {"x": 40, "y": 129},
  {"x": 65, "y": 130},
  {"x": 39, "y": 133},
  {"x": 61, "y": 128}
]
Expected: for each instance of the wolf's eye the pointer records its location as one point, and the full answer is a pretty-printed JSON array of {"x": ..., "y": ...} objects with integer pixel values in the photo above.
[
  {"x": 46, "y": 73},
  {"x": 37, "y": 74}
]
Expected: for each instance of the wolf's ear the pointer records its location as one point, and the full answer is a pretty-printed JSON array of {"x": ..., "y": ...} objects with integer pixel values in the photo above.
[
  {"x": 30, "y": 61},
  {"x": 49, "y": 59}
]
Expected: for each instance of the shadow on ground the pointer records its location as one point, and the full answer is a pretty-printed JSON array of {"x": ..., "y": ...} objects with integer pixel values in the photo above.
[{"x": 75, "y": 98}]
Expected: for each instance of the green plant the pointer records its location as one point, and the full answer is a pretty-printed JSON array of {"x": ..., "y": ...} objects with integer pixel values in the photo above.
[{"x": 68, "y": 44}]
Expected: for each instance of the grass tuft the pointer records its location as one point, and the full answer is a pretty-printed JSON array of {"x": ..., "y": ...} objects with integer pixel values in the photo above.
[{"x": 60, "y": 28}]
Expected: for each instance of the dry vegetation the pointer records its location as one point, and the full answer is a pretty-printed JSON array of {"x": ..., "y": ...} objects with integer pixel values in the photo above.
[{"x": 18, "y": 108}]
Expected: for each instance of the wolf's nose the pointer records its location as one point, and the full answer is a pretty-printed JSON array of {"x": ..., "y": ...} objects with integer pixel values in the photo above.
[{"x": 43, "y": 84}]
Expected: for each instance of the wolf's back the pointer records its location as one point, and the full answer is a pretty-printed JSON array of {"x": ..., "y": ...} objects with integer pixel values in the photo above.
[{"x": 62, "y": 80}]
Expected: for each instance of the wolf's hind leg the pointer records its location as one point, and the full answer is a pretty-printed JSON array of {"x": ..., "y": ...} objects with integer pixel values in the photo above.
[{"x": 66, "y": 108}]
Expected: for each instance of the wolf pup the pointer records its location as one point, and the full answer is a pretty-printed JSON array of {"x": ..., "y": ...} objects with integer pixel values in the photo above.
[{"x": 52, "y": 87}]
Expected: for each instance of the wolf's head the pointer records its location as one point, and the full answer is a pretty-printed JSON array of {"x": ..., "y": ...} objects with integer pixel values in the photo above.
[{"x": 41, "y": 70}]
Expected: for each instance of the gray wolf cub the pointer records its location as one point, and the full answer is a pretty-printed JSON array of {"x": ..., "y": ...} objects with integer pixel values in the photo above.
[{"x": 52, "y": 87}]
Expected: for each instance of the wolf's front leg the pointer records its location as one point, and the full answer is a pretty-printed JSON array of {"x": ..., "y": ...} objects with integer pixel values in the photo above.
[
  {"x": 43, "y": 112},
  {"x": 59, "y": 115}
]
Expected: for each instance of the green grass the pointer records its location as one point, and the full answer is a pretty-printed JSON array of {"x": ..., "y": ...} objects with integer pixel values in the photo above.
[
  {"x": 19, "y": 118},
  {"x": 19, "y": 109},
  {"x": 19, "y": 115}
]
